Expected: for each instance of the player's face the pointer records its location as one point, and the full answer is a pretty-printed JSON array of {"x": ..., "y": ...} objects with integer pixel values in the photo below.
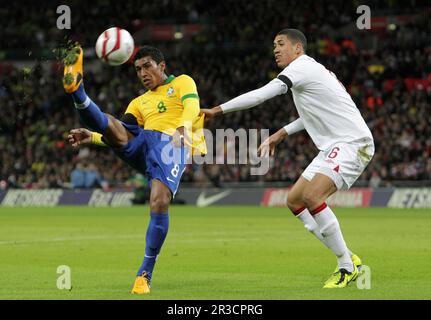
[
  {"x": 285, "y": 51},
  {"x": 149, "y": 72}
]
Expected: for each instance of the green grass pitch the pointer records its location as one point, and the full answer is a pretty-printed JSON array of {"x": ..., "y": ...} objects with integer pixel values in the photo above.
[{"x": 210, "y": 253}]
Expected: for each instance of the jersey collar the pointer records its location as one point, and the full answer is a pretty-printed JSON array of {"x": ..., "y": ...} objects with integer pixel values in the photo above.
[{"x": 169, "y": 79}]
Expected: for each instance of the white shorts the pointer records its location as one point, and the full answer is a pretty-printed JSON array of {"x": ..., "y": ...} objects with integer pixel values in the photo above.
[{"x": 343, "y": 162}]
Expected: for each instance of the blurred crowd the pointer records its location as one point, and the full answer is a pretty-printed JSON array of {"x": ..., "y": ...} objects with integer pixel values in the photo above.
[{"x": 233, "y": 54}]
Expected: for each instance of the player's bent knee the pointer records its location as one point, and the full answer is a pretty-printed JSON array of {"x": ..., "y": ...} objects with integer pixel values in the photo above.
[
  {"x": 292, "y": 205},
  {"x": 160, "y": 203},
  {"x": 311, "y": 199},
  {"x": 294, "y": 202}
]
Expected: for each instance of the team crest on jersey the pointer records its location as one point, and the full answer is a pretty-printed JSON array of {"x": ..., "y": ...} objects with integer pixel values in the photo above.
[{"x": 170, "y": 91}]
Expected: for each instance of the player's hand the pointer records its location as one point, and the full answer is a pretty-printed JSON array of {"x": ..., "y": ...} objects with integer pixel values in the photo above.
[
  {"x": 78, "y": 137},
  {"x": 179, "y": 137},
  {"x": 211, "y": 113},
  {"x": 267, "y": 148}
]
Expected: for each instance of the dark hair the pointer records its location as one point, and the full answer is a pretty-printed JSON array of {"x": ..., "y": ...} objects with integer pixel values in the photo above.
[
  {"x": 146, "y": 51},
  {"x": 295, "y": 36}
]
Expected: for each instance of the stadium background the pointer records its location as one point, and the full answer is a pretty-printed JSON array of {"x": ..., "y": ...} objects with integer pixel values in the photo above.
[
  {"x": 386, "y": 69},
  {"x": 226, "y": 46}
]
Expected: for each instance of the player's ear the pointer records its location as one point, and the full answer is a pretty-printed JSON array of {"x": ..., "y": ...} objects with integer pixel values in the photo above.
[
  {"x": 162, "y": 66},
  {"x": 298, "y": 48}
]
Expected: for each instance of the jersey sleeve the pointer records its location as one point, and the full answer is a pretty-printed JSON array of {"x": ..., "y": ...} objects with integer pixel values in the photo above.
[
  {"x": 294, "y": 75},
  {"x": 294, "y": 126},
  {"x": 190, "y": 101},
  {"x": 192, "y": 122},
  {"x": 187, "y": 88},
  {"x": 96, "y": 138},
  {"x": 134, "y": 110},
  {"x": 253, "y": 98}
]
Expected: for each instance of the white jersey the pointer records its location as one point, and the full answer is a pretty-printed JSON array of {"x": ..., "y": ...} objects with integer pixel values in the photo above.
[
  {"x": 326, "y": 109},
  {"x": 327, "y": 112}
]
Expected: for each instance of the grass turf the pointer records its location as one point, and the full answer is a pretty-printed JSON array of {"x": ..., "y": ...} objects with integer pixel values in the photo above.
[{"x": 210, "y": 253}]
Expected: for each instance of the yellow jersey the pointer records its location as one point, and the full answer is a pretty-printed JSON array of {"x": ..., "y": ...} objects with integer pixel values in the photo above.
[{"x": 162, "y": 109}]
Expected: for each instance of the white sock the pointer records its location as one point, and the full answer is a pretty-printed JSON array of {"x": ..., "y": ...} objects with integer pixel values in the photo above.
[
  {"x": 311, "y": 225},
  {"x": 331, "y": 232}
]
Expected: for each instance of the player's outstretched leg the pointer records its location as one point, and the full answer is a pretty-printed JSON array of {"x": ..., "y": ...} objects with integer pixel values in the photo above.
[
  {"x": 311, "y": 225},
  {"x": 73, "y": 83},
  {"x": 156, "y": 234},
  {"x": 314, "y": 197},
  {"x": 330, "y": 229},
  {"x": 302, "y": 213}
]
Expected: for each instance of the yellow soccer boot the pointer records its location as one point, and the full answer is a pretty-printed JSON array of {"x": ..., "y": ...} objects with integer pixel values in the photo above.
[
  {"x": 142, "y": 284},
  {"x": 73, "y": 69},
  {"x": 341, "y": 278}
]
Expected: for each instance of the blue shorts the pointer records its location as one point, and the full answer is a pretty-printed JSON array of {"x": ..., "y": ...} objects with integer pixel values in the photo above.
[{"x": 152, "y": 154}]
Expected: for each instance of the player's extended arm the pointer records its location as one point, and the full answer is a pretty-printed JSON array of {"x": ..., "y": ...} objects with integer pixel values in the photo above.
[
  {"x": 294, "y": 127},
  {"x": 79, "y": 136},
  {"x": 268, "y": 146},
  {"x": 251, "y": 99}
]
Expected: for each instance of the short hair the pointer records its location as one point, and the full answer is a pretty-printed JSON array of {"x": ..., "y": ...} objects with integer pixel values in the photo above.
[
  {"x": 152, "y": 52},
  {"x": 295, "y": 36}
]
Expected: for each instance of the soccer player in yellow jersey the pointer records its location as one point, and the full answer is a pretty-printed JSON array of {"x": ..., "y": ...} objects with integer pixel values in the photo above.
[{"x": 156, "y": 135}]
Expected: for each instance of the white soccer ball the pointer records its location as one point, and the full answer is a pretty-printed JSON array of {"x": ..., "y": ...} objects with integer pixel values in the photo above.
[{"x": 115, "y": 46}]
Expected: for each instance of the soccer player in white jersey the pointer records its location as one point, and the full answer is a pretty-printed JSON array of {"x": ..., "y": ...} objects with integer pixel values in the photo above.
[{"x": 331, "y": 118}]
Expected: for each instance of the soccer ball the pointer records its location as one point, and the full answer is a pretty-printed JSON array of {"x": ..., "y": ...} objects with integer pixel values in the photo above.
[{"x": 115, "y": 46}]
